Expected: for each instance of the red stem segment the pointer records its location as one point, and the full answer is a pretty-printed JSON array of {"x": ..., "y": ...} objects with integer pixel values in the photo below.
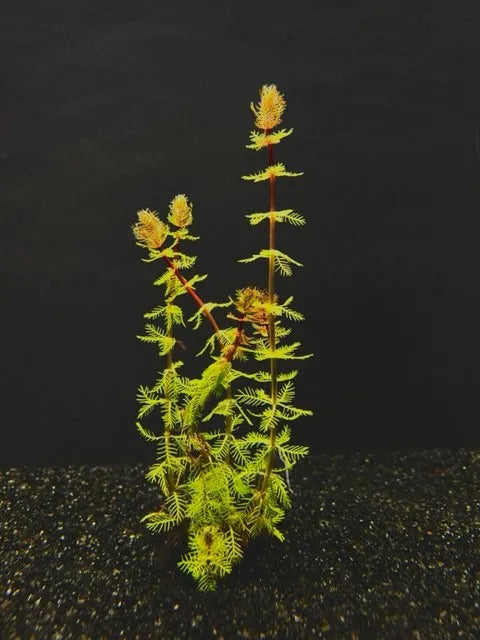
[
  {"x": 235, "y": 344},
  {"x": 197, "y": 299},
  {"x": 240, "y": 330}
]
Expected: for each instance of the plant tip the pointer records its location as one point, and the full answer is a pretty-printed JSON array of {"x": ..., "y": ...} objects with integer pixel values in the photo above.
[
  {"x": 149, "y": 231},
  {"x": 268, "y": 112}
]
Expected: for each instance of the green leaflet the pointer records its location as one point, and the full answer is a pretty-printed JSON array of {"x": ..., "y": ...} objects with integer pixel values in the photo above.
[
  {"x": 199, "y": 315},
  {"x": 286, "y": 215},
  {"x": 283, "y": 352},
  {"x": 171, "y": 313},
  {"x": 276, "y": 170},
  {"x": 282, "y": 262},
  {"x": 157, "y": 336},
  {"x": 261, "y": 140}
]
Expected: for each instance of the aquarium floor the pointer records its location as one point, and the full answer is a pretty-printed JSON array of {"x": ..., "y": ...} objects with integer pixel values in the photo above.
[{"x": 380, "y": 545}]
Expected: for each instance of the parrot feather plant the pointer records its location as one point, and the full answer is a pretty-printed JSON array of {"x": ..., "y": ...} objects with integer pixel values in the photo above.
[{"x": 231, "y": 483}]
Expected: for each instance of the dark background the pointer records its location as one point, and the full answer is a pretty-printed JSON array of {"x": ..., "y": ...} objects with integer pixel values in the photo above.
[{"x": 107, "y": 108}]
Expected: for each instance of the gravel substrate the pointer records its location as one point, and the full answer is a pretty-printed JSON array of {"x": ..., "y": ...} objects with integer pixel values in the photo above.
[{"x": 381, "y": 545}]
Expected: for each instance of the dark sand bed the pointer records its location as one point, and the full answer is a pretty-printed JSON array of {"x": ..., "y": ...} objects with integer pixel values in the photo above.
[{"x": 381, "y": 545}]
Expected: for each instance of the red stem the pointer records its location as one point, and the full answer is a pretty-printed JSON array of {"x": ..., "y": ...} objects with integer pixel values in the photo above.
[
  {"x": 234, "y": 346},
  {"x": 206, "y": 312},
  {"x": 197, "y": 299}
]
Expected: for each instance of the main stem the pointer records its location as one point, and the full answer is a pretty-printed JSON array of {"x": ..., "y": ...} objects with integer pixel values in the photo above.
[{"x": 271, "y": 318}]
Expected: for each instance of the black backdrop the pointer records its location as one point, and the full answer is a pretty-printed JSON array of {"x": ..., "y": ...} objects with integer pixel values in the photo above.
[{"x": 111, "y": 107}]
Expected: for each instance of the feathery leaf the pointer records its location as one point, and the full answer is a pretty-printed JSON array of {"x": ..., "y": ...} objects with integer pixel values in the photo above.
[
  {"x": 199, "y": 315},
  {"x": 285, "y": 215},
  {"x": 262, "y": 140},
  {"x": 156, "y": 335},
  {"x": 148, "y": 435},
  {"x": 284, "y": 352},
  {"x": 275, "y": 170}
]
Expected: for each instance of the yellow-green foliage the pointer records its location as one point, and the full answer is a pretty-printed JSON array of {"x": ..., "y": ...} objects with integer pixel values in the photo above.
[{"x": 231, "y": 483}]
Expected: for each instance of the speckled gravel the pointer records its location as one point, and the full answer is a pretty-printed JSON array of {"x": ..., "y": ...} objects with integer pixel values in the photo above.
[{"x": 381, "y": 545}]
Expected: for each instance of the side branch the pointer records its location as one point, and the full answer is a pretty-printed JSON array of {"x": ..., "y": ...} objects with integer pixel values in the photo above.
[
  {"x": 236, "y": 343},
  {"x": 197, "y": 299}
]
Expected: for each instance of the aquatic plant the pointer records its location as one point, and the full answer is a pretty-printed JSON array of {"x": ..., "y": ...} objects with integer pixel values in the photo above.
[{"x": 231, "y": 483}]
